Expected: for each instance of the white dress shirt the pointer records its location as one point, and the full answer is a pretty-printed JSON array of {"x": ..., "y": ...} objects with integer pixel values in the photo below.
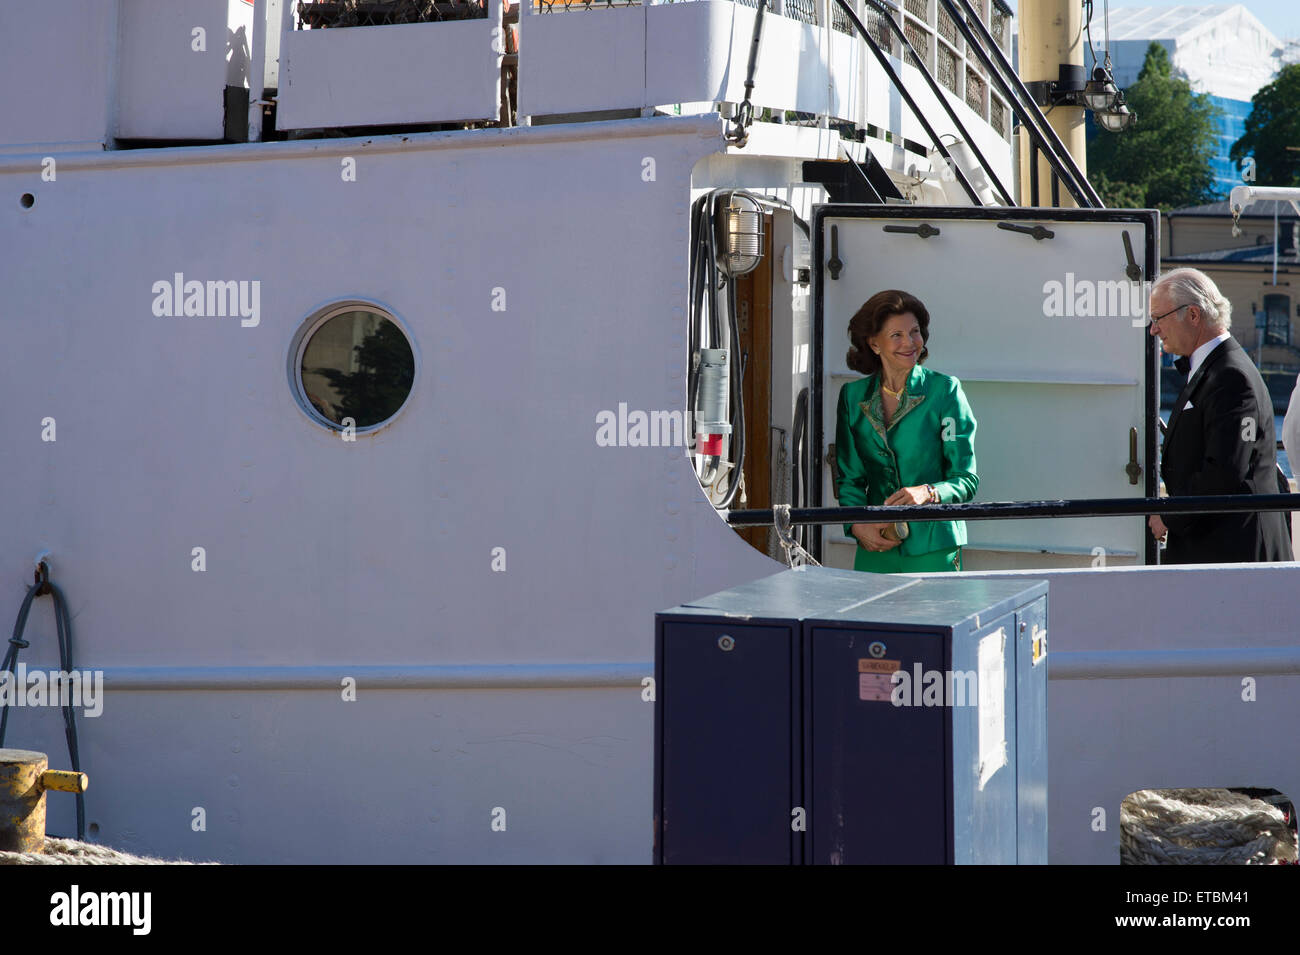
[{"x": 1203, "y": 352}]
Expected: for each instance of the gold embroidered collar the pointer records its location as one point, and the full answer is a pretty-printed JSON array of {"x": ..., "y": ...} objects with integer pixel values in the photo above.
[{"x": 873, "y": 407}]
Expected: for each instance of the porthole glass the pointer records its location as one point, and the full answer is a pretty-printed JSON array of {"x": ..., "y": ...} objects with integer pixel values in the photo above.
[{"x": 356, "y": 363}]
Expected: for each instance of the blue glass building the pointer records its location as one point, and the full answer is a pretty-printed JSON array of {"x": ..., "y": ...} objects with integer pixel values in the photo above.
[
  {"x": 1223, "y": 51},
  {"x": 1231, "y": 127}
]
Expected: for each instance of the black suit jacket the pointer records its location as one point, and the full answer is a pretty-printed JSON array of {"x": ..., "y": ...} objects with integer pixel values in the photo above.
[{"x": 1223, "y": 444}]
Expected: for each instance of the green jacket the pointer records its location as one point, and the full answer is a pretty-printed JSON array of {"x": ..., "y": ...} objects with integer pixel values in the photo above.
[{"x": 931, "y": 440}]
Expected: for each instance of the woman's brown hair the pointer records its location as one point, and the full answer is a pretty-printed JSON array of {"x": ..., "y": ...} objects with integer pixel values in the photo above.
[{"x": 866, "y": 324}]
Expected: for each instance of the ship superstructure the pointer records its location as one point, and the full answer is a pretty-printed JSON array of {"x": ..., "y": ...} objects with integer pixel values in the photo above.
[{"x": 355, "y": 362}]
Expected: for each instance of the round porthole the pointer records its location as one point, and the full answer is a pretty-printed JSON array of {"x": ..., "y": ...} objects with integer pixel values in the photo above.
[{"x": 353, "y": 361}]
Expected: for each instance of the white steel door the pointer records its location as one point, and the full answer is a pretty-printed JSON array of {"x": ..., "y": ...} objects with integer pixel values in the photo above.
[{"x": 1047, "y": 332}]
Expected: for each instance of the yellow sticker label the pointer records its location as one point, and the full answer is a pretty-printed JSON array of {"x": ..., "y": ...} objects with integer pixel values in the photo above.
[
  {"x": 1040, "y": 644},
  {"x": 876, "y": 679},
  {"x": 879, "y": 666}
]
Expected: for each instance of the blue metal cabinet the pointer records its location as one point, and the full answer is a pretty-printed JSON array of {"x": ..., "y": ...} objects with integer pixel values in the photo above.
[
  {"x": 728, "y": 720},
  {"x": 914, "y": 765},
  {"x": 1031, "y": 733},
  {"x": 874, "y": 771},
  {"x": 782, "y": 734},
  {"x": 732, "y": 700}
]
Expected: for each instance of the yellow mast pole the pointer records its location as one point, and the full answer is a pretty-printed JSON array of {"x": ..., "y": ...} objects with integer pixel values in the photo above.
[{"x": 1051, "y": 35}]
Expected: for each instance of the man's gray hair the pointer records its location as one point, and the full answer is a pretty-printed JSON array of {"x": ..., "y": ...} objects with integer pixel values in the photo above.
[{"x": 1194, "y": 287}]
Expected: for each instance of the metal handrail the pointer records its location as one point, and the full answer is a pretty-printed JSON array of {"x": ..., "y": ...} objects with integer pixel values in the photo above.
[
  {"x": 1022, "y": 104},
  {"x": 883, "y": 12},
  {"x": 1004, "y": 510},
  {"x": 897, "y": 82}
]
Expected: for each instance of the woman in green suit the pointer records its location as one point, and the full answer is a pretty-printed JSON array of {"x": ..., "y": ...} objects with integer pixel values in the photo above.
[{"x": 905, "y": 435}]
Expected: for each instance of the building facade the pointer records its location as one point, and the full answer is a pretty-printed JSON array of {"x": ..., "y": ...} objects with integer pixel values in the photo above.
[
  {"x": 1257, "y": 270},
  {"x": 1223, "y": 51}
]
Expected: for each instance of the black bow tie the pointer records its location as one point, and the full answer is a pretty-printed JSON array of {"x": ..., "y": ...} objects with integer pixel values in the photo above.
[{"x": 1183, "y": 365}]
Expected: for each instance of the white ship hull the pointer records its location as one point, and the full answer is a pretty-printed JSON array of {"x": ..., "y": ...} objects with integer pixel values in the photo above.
[{"x": 482, "y": 572}]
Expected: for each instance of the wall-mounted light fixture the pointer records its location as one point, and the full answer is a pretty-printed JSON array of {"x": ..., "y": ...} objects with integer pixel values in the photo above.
[
  {"x": 741, "y": 242},
  {"x": 1099, "y": 94},
  {"x": 1107, "y": 102}
]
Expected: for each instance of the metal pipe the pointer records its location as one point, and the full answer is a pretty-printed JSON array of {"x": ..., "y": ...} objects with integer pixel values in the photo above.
[
  {"x": 822, "y": 10},
  {"x": 1149, "y": 664},
  {"x": 257, "y": 71},
  {"x": 1033, "y": 172},
  {"x": 525, "y": 11},
  {"x": 1242, "y": 196},
  {"x": 60, "y": 780},
  {"x": 471, "y": 676},
  {"x": 1002, "y": 510}
]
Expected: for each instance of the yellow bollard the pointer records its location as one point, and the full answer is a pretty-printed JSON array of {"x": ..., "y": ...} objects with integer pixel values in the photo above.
[{"x": 24, "y": 778}]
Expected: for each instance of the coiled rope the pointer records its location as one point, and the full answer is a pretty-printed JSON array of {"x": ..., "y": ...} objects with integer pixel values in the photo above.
[
  {"x": 1203, "y": 827},
  {"x": 71, "y": 852}
]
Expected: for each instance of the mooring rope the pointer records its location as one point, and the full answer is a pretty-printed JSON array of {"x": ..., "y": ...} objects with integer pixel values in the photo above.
[
  {"x": 795, "y": 555},
  {"x": 1203, "y": 827},
  {"x": 72, "y": 852}
]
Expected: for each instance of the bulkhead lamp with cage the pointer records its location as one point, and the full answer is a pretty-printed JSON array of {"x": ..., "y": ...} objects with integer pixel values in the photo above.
[
  {"x": 1118, "y": 117},
  {"x": 741, "y": 243},
  {"x": 1100, "y": 92}
]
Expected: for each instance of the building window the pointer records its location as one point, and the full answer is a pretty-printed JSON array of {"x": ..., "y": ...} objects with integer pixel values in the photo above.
[
  {"x": 947, "y": 61},
  {"x": 975, "y": 87},
  {"x": 1000, "y": 25},
  {"x": 920, "y": 41},
  {"x": 998, "y": 117},
  {"x": 1277, "y": 327},
  {"x": 353, "y": 361},
  {"x": 880, "y": 31},
  {"x": 948, "y": 29}
]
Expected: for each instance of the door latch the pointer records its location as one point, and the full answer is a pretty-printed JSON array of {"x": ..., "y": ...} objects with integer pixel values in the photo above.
[
  {"x": 1133, "y": 469},
  {"x": 1132, "y": 270},
  {"x": 833, "y": 264}
]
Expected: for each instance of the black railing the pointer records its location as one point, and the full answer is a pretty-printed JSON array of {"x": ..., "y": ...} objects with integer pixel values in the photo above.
[{"x": 1004, "y": 510}]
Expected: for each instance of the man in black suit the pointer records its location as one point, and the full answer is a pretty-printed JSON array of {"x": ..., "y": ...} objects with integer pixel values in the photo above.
[{"x": 1220, "y": 438}]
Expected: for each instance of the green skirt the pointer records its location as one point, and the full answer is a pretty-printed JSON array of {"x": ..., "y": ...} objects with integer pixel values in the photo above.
[{"x": 892, "y": 562}]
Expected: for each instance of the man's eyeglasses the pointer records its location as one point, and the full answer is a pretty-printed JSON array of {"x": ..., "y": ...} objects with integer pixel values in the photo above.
[{"x": 1156, "y": 318}]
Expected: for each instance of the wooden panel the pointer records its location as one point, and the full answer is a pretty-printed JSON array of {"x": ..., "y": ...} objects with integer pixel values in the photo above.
[{"x": 754, "y": 313}]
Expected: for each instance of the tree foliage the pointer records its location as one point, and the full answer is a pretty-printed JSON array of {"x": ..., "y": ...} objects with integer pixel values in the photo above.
[
  {"x": 1272, "y": 126},
  {"x": 1162, "y": 161},
  {"x": 383, "y": 379},
  {"x": 1117, "y": 195}
]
